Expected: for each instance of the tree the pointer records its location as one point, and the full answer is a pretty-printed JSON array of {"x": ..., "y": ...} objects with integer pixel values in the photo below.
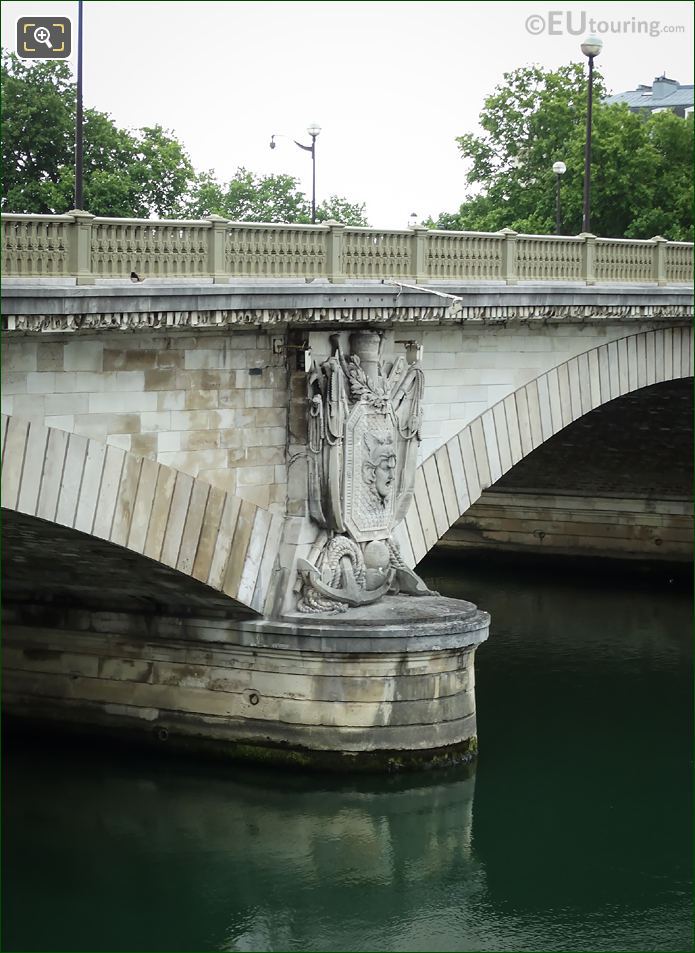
[
  {"x": 250, "y": 198},
  {"x": 641, "y": 167},
  {"x": 670, "y": 211},
  {"x": 127, "y": 174},
  {"x": 340, "y": 210},
  {"x": 161, "y": 172},
  {"x": 270, "y": 198},
  {"x": 37, "y": 133}
]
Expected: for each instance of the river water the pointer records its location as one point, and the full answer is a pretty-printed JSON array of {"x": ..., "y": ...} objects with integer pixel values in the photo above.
[{"x": 573, "y": 834}]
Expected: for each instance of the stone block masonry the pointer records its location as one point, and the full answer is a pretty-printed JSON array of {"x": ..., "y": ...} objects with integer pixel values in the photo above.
[
  {"x": 381, "y": 691},
  {"x": 470, "y": 368},
  {"x": 211, "y": 405},
  {"x": 573, "y": 525},
  {"x": 616, "y": 483}
]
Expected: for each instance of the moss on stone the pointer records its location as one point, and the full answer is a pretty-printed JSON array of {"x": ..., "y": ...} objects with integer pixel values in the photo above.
[{"x": 170, "y": 740}]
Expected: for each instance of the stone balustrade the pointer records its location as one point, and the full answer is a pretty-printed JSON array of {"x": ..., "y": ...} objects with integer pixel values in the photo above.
[{"x": 84, "y": 247}]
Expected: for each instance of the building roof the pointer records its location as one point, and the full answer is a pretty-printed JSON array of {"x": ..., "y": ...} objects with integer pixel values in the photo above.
[{"x": 663, "y": 94}]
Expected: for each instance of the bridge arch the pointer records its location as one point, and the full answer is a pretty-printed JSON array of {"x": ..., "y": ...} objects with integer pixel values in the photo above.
[
  {"x": 224, "y": 542},
  {"x": 452, "y": 478}
]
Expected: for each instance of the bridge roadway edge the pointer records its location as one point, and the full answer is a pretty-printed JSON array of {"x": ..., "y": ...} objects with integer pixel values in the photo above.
[{"x": 297, "y": 303}]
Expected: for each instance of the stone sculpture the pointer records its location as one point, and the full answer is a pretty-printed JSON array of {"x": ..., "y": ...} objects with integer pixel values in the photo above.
[{"x": 364, "y": 430}]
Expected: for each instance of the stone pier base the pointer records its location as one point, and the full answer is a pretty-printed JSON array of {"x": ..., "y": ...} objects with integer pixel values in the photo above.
[{"x": 380, "y": 688}]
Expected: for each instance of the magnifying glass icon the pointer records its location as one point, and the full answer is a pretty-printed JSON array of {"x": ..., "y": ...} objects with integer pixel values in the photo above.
[{"x": 43, "y": 35}]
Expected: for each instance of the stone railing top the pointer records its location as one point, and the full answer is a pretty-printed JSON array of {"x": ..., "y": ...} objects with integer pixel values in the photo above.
[
  {"x": 153, "y": 222},
  {"x": 26, "y": 217},
  {"x": 320, "y": 226},
  {"x": 87, "y": 249}
]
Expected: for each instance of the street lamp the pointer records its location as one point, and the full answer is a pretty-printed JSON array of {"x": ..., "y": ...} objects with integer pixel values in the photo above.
[
  {"x": 591, "y": 47},
  {"x": 313, "y": 130},
  {"x": 559, "y": 168},
  {"x": 79, "y": 118}
]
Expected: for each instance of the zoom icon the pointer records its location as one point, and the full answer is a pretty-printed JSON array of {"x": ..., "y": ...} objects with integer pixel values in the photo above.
[{"x": 44, "y": 38}]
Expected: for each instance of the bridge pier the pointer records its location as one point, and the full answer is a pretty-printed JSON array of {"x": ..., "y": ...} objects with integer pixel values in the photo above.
[{"x": 387, "y": 688}]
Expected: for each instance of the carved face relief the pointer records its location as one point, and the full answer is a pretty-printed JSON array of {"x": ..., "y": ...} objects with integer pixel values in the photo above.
[
  {"x": 384, "y": 477},
  {"x": 370, "y": 472},
  {"x": 378, "y": 468}
]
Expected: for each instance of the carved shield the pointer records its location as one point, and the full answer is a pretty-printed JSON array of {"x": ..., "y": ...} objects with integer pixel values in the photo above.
[{"x": 370, "y": 472}]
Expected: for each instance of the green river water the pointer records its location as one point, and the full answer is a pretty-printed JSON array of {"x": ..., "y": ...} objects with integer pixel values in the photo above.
[{"x": 573, "y": 834}]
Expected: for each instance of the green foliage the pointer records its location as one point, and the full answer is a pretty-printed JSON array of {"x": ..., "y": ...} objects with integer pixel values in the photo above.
[
  {"x": 140, "y": 174},
  {"x": 250, "y": 198},
  {"x": 270, "y": 198},
  {"x": 641, "y": 180},
  {"x": 340, "y": 210},
  {"x": 37, "y": 133},
  {"x": 669, "y": 181}
]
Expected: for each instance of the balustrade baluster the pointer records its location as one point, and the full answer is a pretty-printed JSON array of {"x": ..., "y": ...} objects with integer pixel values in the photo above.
[{"x": 83, "y": 247}]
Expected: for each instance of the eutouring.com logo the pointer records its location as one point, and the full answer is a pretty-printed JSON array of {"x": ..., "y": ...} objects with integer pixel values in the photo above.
[
  {"x": 43, "y": 38},
  {"x": 578, "y": 23}
]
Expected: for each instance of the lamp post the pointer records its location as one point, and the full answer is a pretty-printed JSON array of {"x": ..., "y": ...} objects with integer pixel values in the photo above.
[
  {"x": 79, "y": 116},
  {"x": 559, "y": 168},
  {"x": 313, "y": 130},
  {"x": 591, "y": 47}
]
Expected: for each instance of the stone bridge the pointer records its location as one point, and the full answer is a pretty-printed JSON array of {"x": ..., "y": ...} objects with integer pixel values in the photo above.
[{"x": 159, "y": 458}]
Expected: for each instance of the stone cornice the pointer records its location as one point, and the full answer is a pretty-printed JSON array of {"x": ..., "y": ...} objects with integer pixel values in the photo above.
[
  {"x": 348, "y": 316},
  {"x": 42, "y": 308}
]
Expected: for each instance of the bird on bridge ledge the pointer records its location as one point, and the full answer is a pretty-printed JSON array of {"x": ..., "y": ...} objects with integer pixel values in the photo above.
[{"x": 135, "y": 277}]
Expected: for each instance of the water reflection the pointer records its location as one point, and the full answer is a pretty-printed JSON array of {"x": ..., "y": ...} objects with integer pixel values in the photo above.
[
  {"x": 580, "y": 838},
  {"x": 584, "y": 783},
  {"x": 574, "y": 618},
  {"x": 273, "y": 861}
]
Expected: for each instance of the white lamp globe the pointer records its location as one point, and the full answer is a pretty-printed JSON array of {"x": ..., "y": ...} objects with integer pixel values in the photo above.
[{"x": 592, "y": 46}]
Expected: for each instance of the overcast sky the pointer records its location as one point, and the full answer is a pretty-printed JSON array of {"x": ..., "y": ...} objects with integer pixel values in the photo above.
[{"x": 391, "y": 84}]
